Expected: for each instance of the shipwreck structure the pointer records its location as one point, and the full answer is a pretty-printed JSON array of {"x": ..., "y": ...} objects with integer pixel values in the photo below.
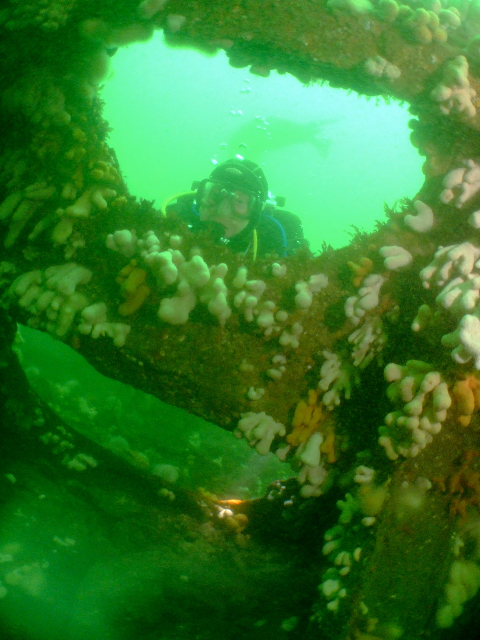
[{"x": 359, "y": 367}]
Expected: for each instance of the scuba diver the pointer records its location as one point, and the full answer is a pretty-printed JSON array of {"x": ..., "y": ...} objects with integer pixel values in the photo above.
[{"x": 234, "y": 207}]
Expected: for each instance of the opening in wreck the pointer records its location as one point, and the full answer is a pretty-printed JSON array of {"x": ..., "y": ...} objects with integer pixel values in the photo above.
[{"x": 335, "y": 157}]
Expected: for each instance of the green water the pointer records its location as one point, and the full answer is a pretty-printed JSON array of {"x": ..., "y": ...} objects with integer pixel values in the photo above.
[{"x": 174, "y": 111}]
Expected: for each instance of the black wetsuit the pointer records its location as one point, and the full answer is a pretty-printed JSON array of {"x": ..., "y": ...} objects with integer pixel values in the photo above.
[{"x": 279, "y": 232}]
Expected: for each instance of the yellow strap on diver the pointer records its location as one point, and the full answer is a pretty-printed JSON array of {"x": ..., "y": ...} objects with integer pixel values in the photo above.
[
  {"x": 255, "y": 244},
  {"x": 165, "y": 203}
]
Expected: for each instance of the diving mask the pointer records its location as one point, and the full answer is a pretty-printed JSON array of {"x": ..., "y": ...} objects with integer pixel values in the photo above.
[{"x": 212, "y": 196}]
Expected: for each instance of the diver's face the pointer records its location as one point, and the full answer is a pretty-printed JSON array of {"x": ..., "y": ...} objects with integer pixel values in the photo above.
[{"x": 230, "y": 209}]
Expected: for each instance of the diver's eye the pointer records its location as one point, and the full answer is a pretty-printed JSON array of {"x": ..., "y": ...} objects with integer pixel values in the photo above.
[
  {"x": 238, "y": 200},
  {"x": 212, "y": 195},
  {"x": 241, "y": 203}
]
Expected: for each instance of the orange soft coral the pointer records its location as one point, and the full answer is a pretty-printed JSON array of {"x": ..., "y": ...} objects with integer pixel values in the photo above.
[
  {"x": 132, "y": 279},
  {"x": 328, "y": 447},
  {"x": 466, "y": 395},
  {"x": 463, "y": 485},
  {"x": 305, "y": 419},
  {"x": 360, "y": 270}
]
